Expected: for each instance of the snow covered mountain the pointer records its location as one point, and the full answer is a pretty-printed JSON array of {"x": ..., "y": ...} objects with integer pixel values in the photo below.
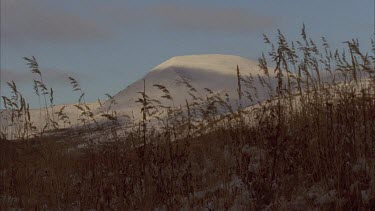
[{"x": 213, "y": 71}]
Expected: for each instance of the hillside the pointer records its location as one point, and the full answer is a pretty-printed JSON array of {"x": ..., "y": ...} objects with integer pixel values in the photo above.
[{"x": 213, "y": 71}]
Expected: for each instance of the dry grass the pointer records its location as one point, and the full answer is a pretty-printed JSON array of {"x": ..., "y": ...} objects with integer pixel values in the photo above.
[{"x": 311, "y": 146}]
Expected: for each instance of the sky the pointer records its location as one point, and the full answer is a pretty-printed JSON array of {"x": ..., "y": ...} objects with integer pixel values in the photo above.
[{"x": 107, "y": 45}]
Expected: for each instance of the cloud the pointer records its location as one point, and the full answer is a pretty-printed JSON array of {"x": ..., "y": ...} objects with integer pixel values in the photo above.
[
  {"x": 29, "y": 21},
  {"x": 213, "y": 19},
  {"x": 188, "y": 18},
  {"x": 25, "y": 21},
  {"x": 50, "y": 76}
]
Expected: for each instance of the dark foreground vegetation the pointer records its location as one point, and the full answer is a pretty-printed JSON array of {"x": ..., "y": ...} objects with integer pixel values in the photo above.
[{"x": 312, "y": 145}]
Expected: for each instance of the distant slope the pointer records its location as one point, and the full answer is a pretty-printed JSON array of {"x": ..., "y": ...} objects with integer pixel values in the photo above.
[
  {"x": 214, "y": 71},
  {"x": 38, "y": 116}
]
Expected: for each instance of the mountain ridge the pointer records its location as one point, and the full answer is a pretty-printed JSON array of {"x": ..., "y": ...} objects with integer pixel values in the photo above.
[{"x": 216, "y": 72}]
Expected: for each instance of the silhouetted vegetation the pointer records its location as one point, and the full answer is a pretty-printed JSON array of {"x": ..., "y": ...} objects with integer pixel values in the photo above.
[{"x": 311, "y": 145}]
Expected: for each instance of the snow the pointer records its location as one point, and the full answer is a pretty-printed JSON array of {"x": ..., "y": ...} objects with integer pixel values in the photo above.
[
  {"x": 38, "y": 116},
  {"x": 214, "y": 71},
  {"x": 218, "y": 63}
]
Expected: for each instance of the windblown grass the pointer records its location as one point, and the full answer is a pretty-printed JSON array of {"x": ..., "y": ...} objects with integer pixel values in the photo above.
[{"x": 311, "y": 145}]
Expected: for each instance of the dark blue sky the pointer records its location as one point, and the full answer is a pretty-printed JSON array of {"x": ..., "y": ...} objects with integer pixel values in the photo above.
[{"x": 109, "y": 44}]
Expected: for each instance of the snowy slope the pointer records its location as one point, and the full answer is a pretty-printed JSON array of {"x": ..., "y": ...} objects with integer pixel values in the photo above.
[
  {"x": 214, "y": 71},
  {"x": 38, "y": 117}
]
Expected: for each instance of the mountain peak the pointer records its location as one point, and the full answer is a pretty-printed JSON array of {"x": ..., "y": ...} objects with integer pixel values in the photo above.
[
  {"x": 220, "y": 63},
  {"x": 216, "y": 72}
]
